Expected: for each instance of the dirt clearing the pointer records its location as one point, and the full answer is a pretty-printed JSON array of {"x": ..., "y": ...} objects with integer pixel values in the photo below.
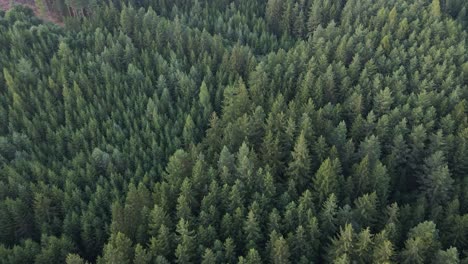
[{"x": 6, "y": 5}]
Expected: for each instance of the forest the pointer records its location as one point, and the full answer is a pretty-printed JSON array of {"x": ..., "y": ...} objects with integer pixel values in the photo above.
[{"x": 234, "y": 131}]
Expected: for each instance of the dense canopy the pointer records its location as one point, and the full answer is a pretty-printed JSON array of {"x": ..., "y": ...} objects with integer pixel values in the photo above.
[{"x": 219, "y": 131}]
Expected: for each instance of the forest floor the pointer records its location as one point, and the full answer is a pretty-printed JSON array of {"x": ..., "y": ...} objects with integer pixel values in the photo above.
[
  {"x": 54, "y": 18},
  {"x": 4, "y": 4}
]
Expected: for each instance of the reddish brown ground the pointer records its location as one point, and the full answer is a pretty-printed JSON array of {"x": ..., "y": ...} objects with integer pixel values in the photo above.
[{"x": 5, "y": 5}]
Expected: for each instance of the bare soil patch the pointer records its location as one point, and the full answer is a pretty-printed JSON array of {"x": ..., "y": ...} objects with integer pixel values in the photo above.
[{"x": 51, "y": 17}]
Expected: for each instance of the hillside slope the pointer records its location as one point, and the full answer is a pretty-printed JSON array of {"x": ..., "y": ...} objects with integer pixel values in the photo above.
[{"x": 295, "y": 131}]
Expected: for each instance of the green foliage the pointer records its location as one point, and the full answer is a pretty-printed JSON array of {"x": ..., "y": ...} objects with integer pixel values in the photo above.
[
  {"x": 280, "y": 252},
  {"x": 234, "y": 131},
  {"x": 299, "y": 167},
  {"x": 421, "y": 244},
  {"x": 118, "y": 250},
  {"x": 327, "y": 179},
  {"x": 74, "y": 259}
]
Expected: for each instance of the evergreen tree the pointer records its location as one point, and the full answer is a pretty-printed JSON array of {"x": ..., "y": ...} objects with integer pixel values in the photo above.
[
  {"x": 326, "y": 180},
  {"x": 299, "y": 167},
  {"x": 252, "y": 230},
  {"x": 422, "y": 243},
  {"x": 118, "y": 250},
  {"x": 253, "y": 257},
  {"x": 185, "y": 251},
  {"x": 436, "y": 181},
  {"x": 280, "y": 251}
]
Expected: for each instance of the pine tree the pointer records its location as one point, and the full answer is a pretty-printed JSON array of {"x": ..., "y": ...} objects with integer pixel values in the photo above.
[
  {"x": 185, "y": 251},
  {"x": 75, "y": 259},
  {"x": 189, "y": 133},
  {"x": 208, "y": 257},
  {"x": 342, "y": 244},
  {"x": 383, "y": 101},
  {"x": 229, "y": 249},
  {"x": 436, "y": 181},
  {"x": 328, "y": 216},
  {"x": 315, "y": 16},
  {"x": 280, "y": 251},
  {"x": 236, "y": 101},
  {"x": 252, "y": 231},
  {"x": 118, "y": 250},
  {"x": 253, "y": 257},
  {"x": 142, "y": 256},
  {"x": 157, "y": 218},
  {"x": 435, "y": 8},
  {"x": 205, "y": 101},
  {"x": 326, "y": 180},
  {"x": 422, "y": 243},
  {"x": 384, "y": 249},
  {"x": 299, "y": 167},
  {"x": 273, "y": 14},
  {"x": 162, "y": 244},
  {"x": 447, "y": 256},
  {"x": 363, "y": 245},
  {"x": 365, "y": 212}
]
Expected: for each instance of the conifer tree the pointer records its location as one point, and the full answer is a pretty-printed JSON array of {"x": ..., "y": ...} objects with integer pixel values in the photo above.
[{"x": 299, "y": 167}]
